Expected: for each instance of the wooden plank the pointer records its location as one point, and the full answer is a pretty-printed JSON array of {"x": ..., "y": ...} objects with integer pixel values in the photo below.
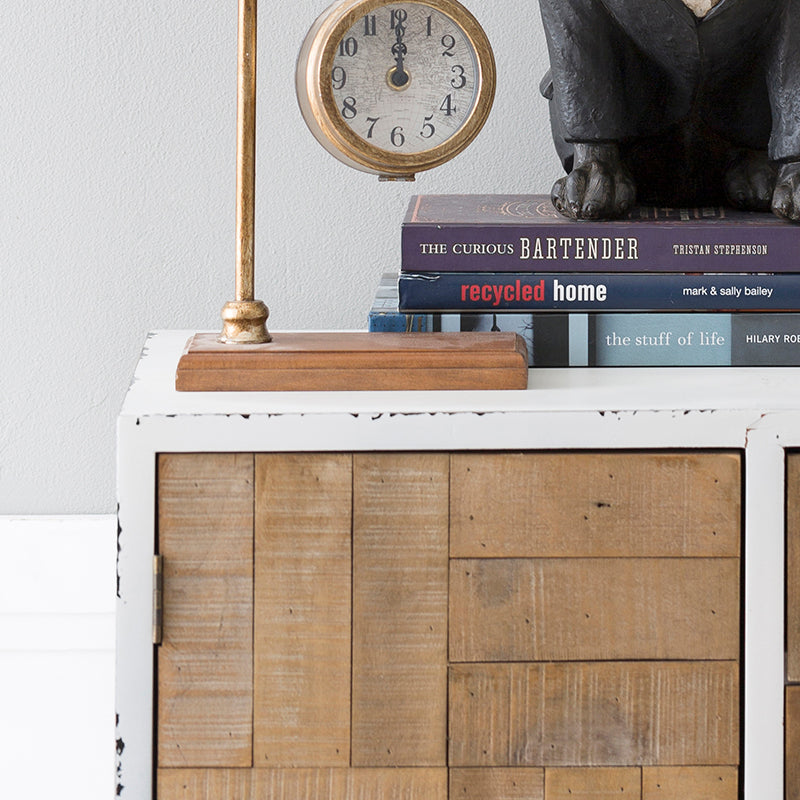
[
  {"x": 497, "y": 783},
  {"x": 302, "y": 784},
  {"x": 679, "y": 783},
  {"x": 792, "y": 743},
  {"x": 400, "y": 574},
  {"x": 205, "y": 680},
  {"x": 594, "y": 714},
  {"x": 603, "y": 783},
  {"x": 355, "y": 361},
  {"x": 685, "y": 503},
  {"x": 303, "y": 610},
  {"x": 581, "y": 609},
  {"x": 793, "y": 567}
]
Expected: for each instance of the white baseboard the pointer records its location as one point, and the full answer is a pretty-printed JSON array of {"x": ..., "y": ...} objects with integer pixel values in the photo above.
[{"x": 57, "y": 607}]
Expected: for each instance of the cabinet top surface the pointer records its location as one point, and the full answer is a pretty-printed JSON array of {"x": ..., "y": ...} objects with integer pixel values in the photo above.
[{"x": 152, "y": 392}]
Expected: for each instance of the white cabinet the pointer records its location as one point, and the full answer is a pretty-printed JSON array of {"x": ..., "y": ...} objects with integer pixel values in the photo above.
[{"x": 568, "y": 426}]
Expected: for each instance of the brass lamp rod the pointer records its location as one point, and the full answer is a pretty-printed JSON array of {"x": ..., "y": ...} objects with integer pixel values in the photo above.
[
  {"x": 244, "y": 320},
  {"x": 246, "y": 150}
]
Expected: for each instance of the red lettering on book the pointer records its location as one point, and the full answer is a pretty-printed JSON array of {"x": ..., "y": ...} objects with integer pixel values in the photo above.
[{"x": 493, "y": 294}]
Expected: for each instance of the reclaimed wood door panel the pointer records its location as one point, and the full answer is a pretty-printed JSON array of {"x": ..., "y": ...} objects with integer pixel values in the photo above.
[
  {"x": 302, "y": 610},
  {"x": 680, "y": 783},
  {"x": 603, "y": 783},
  {"x": 303, "y": 784},
  {"x": 594, "y": 714},
  {"x": 400, "y": 576},
  {"x": 641, "y": 504},
  {"x": 425, "y": 626},
  {"x": 205, "y": 662},
  {"x": 497, "y": 783},
  {"x": 575, "y": 609}
]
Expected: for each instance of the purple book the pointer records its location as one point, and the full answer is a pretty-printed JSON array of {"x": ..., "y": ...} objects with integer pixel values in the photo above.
[{"x": 518, "y": 233}]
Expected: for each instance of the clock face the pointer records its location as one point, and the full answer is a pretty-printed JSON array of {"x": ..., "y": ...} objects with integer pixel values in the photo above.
[
  {"x": 394, "y": 88},
  {"x": 404, "y": 77}
]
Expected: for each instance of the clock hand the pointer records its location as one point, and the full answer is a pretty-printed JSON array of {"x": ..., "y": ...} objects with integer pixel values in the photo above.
[{"x": 399, "y": 76}]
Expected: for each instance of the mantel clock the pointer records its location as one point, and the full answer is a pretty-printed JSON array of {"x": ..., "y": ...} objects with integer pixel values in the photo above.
[{"x": 394, "y": 88}]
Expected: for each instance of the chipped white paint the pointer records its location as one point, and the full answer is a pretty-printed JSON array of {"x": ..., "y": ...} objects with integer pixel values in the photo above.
[{"x": 755, "y": 410}]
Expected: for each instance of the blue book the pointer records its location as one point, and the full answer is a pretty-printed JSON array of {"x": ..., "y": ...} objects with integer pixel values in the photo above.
[{"x": 481, "y": 292}]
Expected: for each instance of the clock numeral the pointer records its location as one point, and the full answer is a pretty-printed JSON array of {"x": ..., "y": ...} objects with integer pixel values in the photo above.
[
  {"x": 448, "y": 106},
  {"x": 429, "y": 29},
  {"x": 399, "y": 17},
  {"x": 448, "y": 42},
  {"x": 349, "y": 108},
  {"x": 398, "y": 140},
  {"x": 370, "y": 24},
  {"x": 460, "y": 79},
  {"x": 338, "y": 77},
  {"x": 427, "y": 129},
  {"x": 348, "y": 47},
  {"x": 374, "y": 121}
]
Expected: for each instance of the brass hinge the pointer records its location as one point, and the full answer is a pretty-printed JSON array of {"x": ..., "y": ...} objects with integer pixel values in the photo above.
[{"x": 158, "y": 599}]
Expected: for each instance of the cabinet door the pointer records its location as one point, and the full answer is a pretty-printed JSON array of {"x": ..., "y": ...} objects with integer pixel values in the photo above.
[
  {"x": 595, "y": 622},
  {"x": 422, "y": 626}
]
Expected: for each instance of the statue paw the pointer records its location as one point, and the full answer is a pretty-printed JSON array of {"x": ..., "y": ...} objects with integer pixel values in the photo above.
[
  {"x": 599, "y": 186},
  {"x": 750, "y": 181},
  {"x": 786, "y": 198}
]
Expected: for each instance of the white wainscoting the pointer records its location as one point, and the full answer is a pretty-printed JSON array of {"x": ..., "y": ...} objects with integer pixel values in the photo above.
[{"x": 57, "y": 606}]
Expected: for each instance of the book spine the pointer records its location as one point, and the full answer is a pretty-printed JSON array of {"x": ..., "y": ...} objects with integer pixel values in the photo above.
[
  {"x": 589, "y": 248},
  {"x": 643, "y": 340},
  {"x": 707, "y": 340},
  {"x": 584, "y": 292},
  {"x": 398, "y": 322}
]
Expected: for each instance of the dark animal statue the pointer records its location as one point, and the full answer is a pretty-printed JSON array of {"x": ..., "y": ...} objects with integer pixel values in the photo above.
[{"x": 674, "y": 102}]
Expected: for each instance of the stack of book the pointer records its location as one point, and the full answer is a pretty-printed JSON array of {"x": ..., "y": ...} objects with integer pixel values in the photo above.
[{"x": 699, "y": 287}]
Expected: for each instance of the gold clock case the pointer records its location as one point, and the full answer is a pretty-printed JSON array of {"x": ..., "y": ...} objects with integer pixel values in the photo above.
[{"x": 315, "y": 93}]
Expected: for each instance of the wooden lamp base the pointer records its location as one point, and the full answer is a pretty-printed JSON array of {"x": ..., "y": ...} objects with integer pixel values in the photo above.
[{"x": 355, "y": 361}]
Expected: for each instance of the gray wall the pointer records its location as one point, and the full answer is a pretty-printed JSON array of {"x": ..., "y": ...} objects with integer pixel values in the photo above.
[{"x": 117, "y": 188}]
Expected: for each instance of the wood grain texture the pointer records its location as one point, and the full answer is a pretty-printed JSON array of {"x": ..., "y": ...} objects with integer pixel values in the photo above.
[
  {"x": 302, "y": 784},
  {"x": 644, "y": 504},
  {"x": 594, "y": 714},
  {"x": 575, "y": 609},
  {"x": 303, "y": 610},
  {"x": 400, "y": 574},
  {"x": 603, "y": 783},
  {"x": 793, "y": 567},
  {"x": 205, "y": 681},
  {"x": 793, "y": 743},
  {"x": 680, "y": 783},
  {"x": 497, "y": 783},
  {"x": 356, "y": 361}
]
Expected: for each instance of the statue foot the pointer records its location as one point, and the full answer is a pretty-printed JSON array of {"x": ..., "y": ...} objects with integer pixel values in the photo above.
[
  {"x": 786, "y": 198},
  {"x": 750, "y": 181},
  {"x": 599, "y": 186}
]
